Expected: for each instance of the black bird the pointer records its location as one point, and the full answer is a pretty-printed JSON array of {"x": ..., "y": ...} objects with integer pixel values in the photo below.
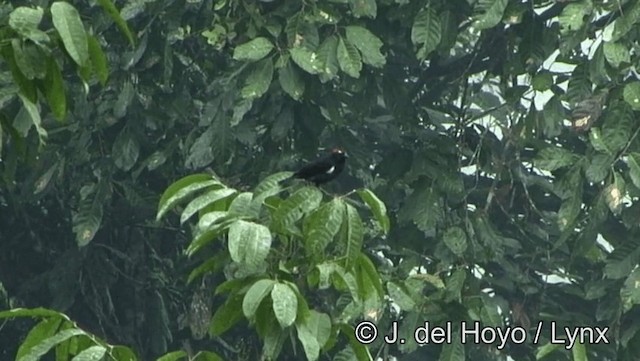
[{"x": 324, "y": 169}]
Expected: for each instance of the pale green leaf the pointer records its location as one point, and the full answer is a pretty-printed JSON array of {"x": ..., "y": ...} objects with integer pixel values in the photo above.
[
  {"x": 490, "y": 13},
  {"x": 291, "y": 81},
  {"x": 616, "y": 53},
  {"x": 285, "y": 304},
  {"x": 377, "y": 207},
  {"x": 631, "y": 94},
  {"x": 253, "y": 50},
  {"x": 426, "y": 32},
  {"x": 67, "y": 22},
  {"x": 249, "y": 243},
  {"x": 368, "y": 44},
  {"x": 306, "y": 59},
  {"x": 254, "y": 296},
  {"x": 349, "y": 58},
  {"x": 258, "y": 80}
]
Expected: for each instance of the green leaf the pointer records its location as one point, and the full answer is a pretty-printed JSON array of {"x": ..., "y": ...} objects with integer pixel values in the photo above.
[
  {"x": 173, "y": 356},
  {"x": 98, "y": 60},
  {"x": 349, "y": 58},
  {"x": 226, "y": 316},
  {"x": 111, "y": 9},
  {"x": 309, "y": 341},
  {"x": 630, "y": 291},
  {"x": 631, "y": 94},
  {"x": 542, "y": 81},
  {"x": 125, "y": 150},
  {"x": 254, "y": 296},
  {"x": 34, "y": 114},
  {"x": 595, "y": 138},
  {"x": 616, "y": 54},
  {"x": 572, "y": 17},
  {"x": 25, "y": 21},
  {"x": 426, "y": 32},
  {"x": 306, "y": 59},
  {"x": 599, "y": 168},
  {"x": 285, "y": 304},
  {"x": 55, "y": 91},
  {"x": 362, "y": 8},
  {"x": 328, "y": 57},
  {"x": 570, "y": 210},
  {"x": 67, "y": 22},
  {"x": 453, "y": 351},
  {"x": 354, "y": 234},
  {"x": 249, "y": 243},
  {"x": 204, "y": 200},
  {"x": 368, "y": 44},
  {"x": 291, "y": 81},
  {"x": 400, "y": 296},
  {"x": 633, "y": 161},
  {"x": 291, "y": 209},
  {"x": 92, "y": 353},
  {"x": 253, "y": 50},
  {"x": 44, "y": 329},
  {"x": 30, "y": 59},
  {"x": 456, "y": 240},
  {"x": 259, "y": 79},
  {"x": 183, "y": 188},
  {"x": 46, "y": 345},
  {"x": 626, "y": 21},
  {"x": 271, "y": 185},
  {"x": 579, "y": 352},
  {"x": 321, "y": 226},
  {"x": 490, "y": 13},
  {"x": 552, "y": 158},
  {"x": 377, "y": 207}
]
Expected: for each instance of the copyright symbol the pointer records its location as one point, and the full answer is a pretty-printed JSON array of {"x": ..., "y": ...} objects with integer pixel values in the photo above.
[{"x": 366, "y": 332}]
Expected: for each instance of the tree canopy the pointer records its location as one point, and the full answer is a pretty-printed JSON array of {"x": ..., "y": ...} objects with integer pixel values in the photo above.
[{"x": 493, "y": 177}]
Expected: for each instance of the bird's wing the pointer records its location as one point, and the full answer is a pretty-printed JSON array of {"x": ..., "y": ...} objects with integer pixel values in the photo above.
[{"x": 324, "y": 165}]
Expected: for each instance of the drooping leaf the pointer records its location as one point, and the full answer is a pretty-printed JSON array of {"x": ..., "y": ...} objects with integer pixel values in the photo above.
[
  {"x": 349, "y": 58},
  {"x": 285, "y": 304},
  {"x": 98, "y": 60},
  {"x": 353, "y": 235},
  {"x": 55, "y": 90},
  {"x": 249, "y": 243},
  {"x": 67, "y": 22},
  {"x": 490, "y": 13},
  {"x": 253, "y": 50},
  {"x": 182, "y": 189},
  {"x": 368, "y": 44},
  {"x": 377, "y": 207},
  {"x": 291, "y": 81},
  {"x": 328, "y": 57},
  {"x": 204, "y": 200},
  {"x": 111, "y": 9},
  {"x": 322, "y": 225},
  {"x": 426, "y": 32},
  {"x": 25, "y": 21},
  {"x": 258, "y": 80},
  {"x": 254, "y": 296}
]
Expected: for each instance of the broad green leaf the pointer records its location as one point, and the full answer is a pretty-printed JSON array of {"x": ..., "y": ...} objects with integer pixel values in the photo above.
[
  {"x": 377, "y": 207},
  {"x": 490, "y": 13},
  {"x": 93, "y": 353},
  {"x": 291, "y": 209},
  {"x": 43, "y": 330},
  {"x": 630, "y": 291},
  {"x": 254, "y": 296},
  {"x": 627, "y": 21},
  {"x": 542, "y": 81},
  {"x": 67, "y": 22},
  {"x": 633, "y": 161},
  {"x": 34, "y": 114},
  {"x": 622, "y": 261},
  {"x": 30, "y": 59},
  {"x": 426, "y": 32},
  {"x": 619, "y": 124},
  {"x": 328, "y": 57},
  {"x": 360, "y": 350},
  {"x": 306, "y": 59},
  {"x": 55, "y": 91},
  {"x": 552, "y": 158},
  {"x": 321, "y": 226},
  {"x": 98, "y": 60},
  {"x": 616, "y": 54},
  {"x": 453, "y": 351},
  {"x": 553, "y": 114},
  {"x": 125, "y": 150},
  {"x": 125, "y": 97},
  {"x": 291, "y": 81},
  {"x": 258, "y": 80},
  {"x": 570, "y": 210},
  {"x": 204, "y": 200},
  {"x": 353, "y": 236},
  {"x": 362, "y": 8},
  {"x": 309, "y": 341},
  {"x": 579, "y": 352},
  {"x": 253, "y": 50},
  {"x": 455, "y": 284},
  {"x": 285, "y": 304},
  {"x": 599, "y": 168},
  {"x": 47, "y": 344},
  {"x": 349, "y": 58},
  {"x": 173, "y": 356},
  {"x": 226, "y": 316},
  {"x": 32, "y": 312},
  {"x": 595, "y": 138},
  {"x": 25, "y": 21},
  {"x": 572, "y": 17},
  {"x": 631, "y": 94},
  {"x": 249, "y": 243},
  {"x": 368, "y": 44},
  {"x": 456, "y": 240},
  {"x": 400, "y": 296},
  {"x": 271, "y": 185},
  {"x": 319, "y": 324},
  {"x": 182, "y": 189},
  {"x": 547, "y": 349},
  {"x": 111, "y": 9},
  {"x": 424, "y": 208}
]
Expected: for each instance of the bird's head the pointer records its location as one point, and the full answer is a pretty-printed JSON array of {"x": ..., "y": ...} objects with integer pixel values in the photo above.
[{"x": 338, "y": 153}]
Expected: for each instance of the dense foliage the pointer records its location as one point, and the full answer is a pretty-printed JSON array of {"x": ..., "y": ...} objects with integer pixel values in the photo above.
[{"x": 494, "y": 176}]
